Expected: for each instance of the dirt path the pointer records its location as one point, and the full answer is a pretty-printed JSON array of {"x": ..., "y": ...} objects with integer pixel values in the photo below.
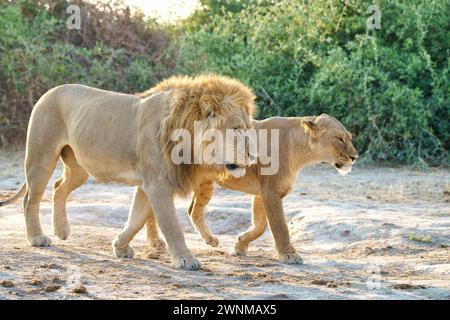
[{"x": 376, "y": 233}]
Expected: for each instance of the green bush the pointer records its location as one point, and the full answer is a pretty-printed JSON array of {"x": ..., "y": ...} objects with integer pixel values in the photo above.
[
  {"x": 35, "y": 56},
  {"x": 390, "y": 87}
]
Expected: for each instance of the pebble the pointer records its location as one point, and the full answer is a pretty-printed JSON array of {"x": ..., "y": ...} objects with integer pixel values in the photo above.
[
  {"x": 7, "y": 284},
  {"x": 79, "y": 289},
  {"x": 51, "y": 288}
]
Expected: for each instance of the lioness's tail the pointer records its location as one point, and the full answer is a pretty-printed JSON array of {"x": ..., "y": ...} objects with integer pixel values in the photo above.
[{"x": 19, "y": 194}]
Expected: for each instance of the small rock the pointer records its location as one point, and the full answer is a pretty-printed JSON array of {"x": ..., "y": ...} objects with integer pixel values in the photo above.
[
  {"x": 51, "y": 288},
  {"x": 7, "y": 284},
  {"x": 79, "y": 289},
  {"x": 260, "y": 265},
  {"x": 345, "y": 232},
  {"x": 319, "y": 282},
  {"x": 51, "y": 266},
  {"x": 35, "y": 282},
  {"x": 153, "y": 255},
  {"x": 407, "y": 286},
  {"x": 57, "y": 280}
]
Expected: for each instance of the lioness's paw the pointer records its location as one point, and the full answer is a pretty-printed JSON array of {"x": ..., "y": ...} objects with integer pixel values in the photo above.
[
  {"x": 290, "y": 258},
  {"x": 62, "y": 230},
  {"x": 39, "y": 241},
  {"x": 185, "y": 263},
  {"x": 240, "y": 249},
  {"x": 157, "y": 244},
  {"x": 212, "y": 241}
]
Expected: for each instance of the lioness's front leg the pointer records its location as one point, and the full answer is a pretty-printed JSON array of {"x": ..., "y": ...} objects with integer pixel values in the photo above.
[
  {"x": 259, "y": 223},
  {"x": 278, "y": 226},
  {"x": 196, "y": 212},
  {"x": 153, "y": 238},
  {"x": 164, "y": 209},
  {"x": 139, "y": 213}
]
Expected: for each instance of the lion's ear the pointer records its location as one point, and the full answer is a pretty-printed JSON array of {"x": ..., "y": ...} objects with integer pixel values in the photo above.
[
  {"x": 310, "y": 127},
  {"x": 208, "y": 105}
]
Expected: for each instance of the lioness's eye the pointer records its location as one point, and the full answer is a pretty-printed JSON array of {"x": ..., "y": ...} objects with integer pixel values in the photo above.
[{"x": 340, "y": 139}]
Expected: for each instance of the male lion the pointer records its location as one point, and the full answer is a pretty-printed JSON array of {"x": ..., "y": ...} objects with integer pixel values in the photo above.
[
  {"x": 127, "y": 138},
  {"x": 303, "y": 141}
]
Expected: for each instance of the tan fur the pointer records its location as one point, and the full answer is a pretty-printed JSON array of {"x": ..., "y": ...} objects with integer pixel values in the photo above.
[
  {"x": 125, "y": 138},
  {"x": 303, "y": 141}
]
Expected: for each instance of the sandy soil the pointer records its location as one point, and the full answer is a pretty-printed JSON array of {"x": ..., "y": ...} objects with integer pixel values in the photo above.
[{"x": 354, "y": 232}]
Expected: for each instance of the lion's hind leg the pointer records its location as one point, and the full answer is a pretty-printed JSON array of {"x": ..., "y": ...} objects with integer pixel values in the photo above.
[
  {"x": 38, "y": 170},
  {"x": 73, "y": 177}
]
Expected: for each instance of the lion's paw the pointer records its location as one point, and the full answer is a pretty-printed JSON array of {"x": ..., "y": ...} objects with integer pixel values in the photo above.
[
  {"x": 290, "y": 258},
  {"x": 119, "y": 252},
  {"x": 126, "y": 253},
  {"x": 186, "y": 263},
  {"x": 40, "y": 241},
  {"x": 240, "y": 249},
  {"x": 62, "y": 230},
  {"x": 212, "y": 241}
]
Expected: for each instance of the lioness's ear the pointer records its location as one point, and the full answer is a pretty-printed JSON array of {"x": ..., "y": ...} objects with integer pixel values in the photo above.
[{"x": 310, "y": 127}]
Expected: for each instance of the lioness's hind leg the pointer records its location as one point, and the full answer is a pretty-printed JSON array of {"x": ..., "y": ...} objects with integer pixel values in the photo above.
[
  {"x": 259, "y": 224},
  {"x": 196, "y": 212},
  {"x": 73, "y": 177}
]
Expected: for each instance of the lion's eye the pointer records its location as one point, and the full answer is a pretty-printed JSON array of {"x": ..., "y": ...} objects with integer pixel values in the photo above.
[{"x": 340, "y": 139}]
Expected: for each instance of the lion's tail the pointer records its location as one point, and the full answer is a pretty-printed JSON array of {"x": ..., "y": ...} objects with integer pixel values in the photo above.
[{"x": 18, "y": 195}]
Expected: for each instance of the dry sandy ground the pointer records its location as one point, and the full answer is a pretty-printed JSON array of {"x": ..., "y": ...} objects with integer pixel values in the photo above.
[{"x": 352, "y": 231}]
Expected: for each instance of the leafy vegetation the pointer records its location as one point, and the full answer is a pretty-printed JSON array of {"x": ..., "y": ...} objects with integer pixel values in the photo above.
[
  {"x": 420, "y": 238},
  {"x": 390, "y": 87}
]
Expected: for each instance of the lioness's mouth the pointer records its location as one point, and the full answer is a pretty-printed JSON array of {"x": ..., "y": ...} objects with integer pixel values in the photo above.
[
  {"x": 232, "y": 166},
  {"x": 343, "y": 169},
  {"x": 235, "y": 170}
]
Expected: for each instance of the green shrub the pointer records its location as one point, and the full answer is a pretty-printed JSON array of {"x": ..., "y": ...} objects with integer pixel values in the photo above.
[
  {"x": 390, "y": 87},
  {"x": 36, "y": 54}
]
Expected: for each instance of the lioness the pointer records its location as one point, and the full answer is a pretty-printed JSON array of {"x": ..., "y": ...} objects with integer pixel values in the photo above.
[
  {"x": 303, "y": 141},
  {"x": 127, "y": 138}
]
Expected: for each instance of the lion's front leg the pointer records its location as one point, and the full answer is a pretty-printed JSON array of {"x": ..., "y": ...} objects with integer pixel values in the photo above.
[
  {"x": 139, "y": 213},
  {"x": 278, "y": 226},
  {"x": 164, "y": 210}
]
